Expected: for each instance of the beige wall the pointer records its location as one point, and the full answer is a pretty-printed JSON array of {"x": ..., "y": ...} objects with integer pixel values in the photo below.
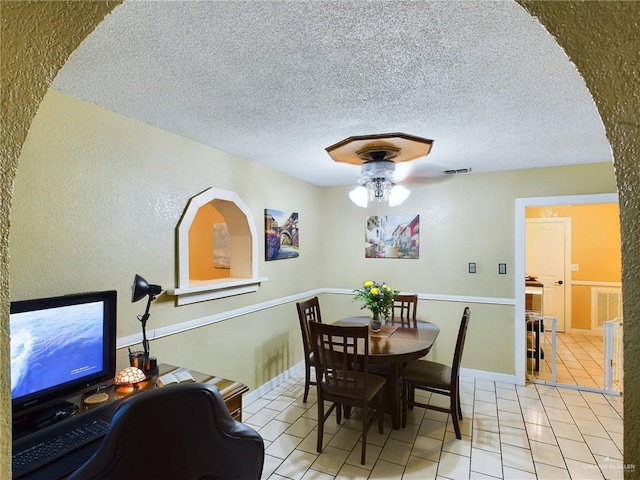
[
  {"x": 486, "y": 319},
  {"x": 467, "y": 218},
  {"x": 595, "y": 34},
  {"x": 97, "y": 199},
  {"x": 92, "y": 215}
]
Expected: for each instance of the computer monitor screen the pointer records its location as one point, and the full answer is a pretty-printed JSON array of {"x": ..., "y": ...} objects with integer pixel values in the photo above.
[{"x": 61, "y": 346}]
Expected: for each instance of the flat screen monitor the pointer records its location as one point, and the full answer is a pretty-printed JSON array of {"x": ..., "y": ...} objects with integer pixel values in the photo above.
[{"x": 61, "y": 346}]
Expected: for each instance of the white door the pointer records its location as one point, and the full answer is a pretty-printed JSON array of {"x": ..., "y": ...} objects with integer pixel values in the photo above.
[{"x": 547, "y": 257}]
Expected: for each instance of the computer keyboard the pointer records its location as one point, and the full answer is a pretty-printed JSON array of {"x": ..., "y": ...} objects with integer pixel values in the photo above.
[{"x": 45, "y": 452}]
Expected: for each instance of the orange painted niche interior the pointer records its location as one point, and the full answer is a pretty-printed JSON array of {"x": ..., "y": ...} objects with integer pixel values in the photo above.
[{"x": 209, "y": 245}]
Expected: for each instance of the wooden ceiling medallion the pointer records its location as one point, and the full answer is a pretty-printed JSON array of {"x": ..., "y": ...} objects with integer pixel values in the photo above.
[{"x": 396, "y": 147}]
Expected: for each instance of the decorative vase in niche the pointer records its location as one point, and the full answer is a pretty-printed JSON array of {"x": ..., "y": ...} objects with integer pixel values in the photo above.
[{"x": 375, "y": 322}]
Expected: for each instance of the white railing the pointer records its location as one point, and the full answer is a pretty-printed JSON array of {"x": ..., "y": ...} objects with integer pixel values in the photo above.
[
  {"x": 554, "y": 357},
  {"x": 613, "y": 355},
  {"x": 549, "y": 324},
  {"x": 552, "y": 322},
  {"x": 612, "y": 358}
]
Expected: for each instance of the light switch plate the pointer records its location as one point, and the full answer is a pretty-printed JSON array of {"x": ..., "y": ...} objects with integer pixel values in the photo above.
[
  {"x": 502, "y": 268},
  {"x": 472, "y": 267}
]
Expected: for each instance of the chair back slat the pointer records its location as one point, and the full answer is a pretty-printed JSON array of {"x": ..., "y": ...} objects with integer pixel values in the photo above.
[
  {"x": 404, "y": 310},
  {"x": 462, "y": 335},
  {"x": 308, "y": 311},
  {"x": 340, "y": 370}
]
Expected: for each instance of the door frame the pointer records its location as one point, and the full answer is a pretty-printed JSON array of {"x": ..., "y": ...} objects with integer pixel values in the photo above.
[
  {"x": 520, "y": 226},
  {"x": 566, "y": 221}
]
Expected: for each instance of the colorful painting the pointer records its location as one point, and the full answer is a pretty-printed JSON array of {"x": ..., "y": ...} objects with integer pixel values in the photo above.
[
  {"x": 280, "y": 235},
  {"x": 392, "y": 236},
  {"x": 221, "y": 246}
]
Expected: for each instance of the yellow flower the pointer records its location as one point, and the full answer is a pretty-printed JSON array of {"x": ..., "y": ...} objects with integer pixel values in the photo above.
[
  {"x": 386, "y": 287},
  {"x": 375, "y": 291},
  {"x": 368, "y": 283}
]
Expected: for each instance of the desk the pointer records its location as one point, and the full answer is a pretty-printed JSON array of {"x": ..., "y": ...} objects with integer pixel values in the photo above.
[
  {"x": 231, "y": 393},
  {"x": 401, "y": 346}
]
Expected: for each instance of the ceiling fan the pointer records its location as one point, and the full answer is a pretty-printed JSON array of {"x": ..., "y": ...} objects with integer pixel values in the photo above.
[{"x": 378, "y": 154}]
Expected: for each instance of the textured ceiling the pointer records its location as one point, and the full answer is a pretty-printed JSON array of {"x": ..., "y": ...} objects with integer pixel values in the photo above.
[{"x": 276, "y": 82}]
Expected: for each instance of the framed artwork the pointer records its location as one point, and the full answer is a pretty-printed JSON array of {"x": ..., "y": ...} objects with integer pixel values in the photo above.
[
  {"x": 280, "y": 235},
  {"x": 392, "y": 236},
  {"x": 221, "y": 246}
]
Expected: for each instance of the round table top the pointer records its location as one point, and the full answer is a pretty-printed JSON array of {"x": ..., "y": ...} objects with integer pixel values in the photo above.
[{"x": 396, "y": 344}]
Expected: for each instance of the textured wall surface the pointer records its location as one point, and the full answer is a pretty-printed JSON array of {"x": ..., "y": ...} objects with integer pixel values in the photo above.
[
  {"x": 97, "y": 167},
  {"x": 87, "y": 215},
  {"x": 602, "y": 39},
  {"x": 36, "y": 39},
  {"x": 599, "y": 37}
]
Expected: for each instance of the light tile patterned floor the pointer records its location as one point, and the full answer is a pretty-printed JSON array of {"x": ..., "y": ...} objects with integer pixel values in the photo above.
[{"x": 508, "y": 432}]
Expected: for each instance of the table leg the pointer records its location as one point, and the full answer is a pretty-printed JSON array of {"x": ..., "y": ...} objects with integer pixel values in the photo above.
[{"x": 395, "y": 391}]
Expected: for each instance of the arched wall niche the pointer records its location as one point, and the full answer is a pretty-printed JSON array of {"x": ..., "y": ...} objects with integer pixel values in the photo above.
[{"x": 242, "y": 252}]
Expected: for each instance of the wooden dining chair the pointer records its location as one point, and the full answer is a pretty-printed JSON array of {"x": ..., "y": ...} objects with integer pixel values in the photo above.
[
  {"x": 436, "y": 378},
  {"x": 308, "y": 311},
  {"x": 343, "y": 378},
  {"x": 404, "y": 310}
]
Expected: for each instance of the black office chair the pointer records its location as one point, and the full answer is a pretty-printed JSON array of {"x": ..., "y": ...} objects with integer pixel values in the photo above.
[{"x": 176, "y": 432}]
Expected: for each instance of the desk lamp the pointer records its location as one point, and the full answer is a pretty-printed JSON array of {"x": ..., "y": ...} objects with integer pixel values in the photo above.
[
  {"x": 129, "y": 380},
  {"x": 130, "y": 376},
  {"x": 140, "y": 289}
]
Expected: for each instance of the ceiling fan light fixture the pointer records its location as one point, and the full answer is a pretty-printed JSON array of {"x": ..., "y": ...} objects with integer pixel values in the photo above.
[
  {"x": 377, "y": 155},
  {"x": 397, "y": 195},
  {"x": 360, "y": 196},
  {"x": 380, "y": 189},
  {"x": 376, "y": 169}
]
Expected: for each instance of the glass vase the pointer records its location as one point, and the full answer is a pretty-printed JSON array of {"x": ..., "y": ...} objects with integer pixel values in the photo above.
[{"x": 375, "y": 322}]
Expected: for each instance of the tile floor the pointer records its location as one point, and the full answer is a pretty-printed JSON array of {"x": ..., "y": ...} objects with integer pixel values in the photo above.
[
  {"x": 579, "y": 360},
  {"x": 509, "y": 432}
]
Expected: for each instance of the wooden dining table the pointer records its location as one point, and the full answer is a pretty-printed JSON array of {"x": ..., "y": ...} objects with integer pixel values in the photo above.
[{"x": 394, "y": 346}]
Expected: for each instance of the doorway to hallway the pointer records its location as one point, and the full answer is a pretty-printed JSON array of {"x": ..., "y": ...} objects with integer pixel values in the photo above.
[{"x": 559, "y": 240}]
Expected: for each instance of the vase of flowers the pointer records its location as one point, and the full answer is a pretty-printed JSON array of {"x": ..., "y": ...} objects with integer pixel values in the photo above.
[
  {"x": 375, "y": 322},
  {"x": 378, "y": 298}
]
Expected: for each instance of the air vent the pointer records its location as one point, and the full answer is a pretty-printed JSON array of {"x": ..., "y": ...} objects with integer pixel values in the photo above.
[{"x": 457, "y": 170}]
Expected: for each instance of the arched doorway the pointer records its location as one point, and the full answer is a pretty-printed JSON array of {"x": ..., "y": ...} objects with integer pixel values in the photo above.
[{"x": 592, "y": 40}]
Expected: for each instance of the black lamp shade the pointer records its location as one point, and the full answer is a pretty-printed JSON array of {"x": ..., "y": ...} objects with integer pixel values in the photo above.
[{"x": 141, "y": 289}]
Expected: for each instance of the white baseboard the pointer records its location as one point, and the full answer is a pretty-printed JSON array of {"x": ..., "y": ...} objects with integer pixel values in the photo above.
[
  {"x": 489, "y": 376},
  {"x": 273, "y": 383}
]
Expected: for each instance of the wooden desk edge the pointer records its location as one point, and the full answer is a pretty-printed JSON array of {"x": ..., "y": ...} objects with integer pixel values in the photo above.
[{"x": 230, "y": 390}]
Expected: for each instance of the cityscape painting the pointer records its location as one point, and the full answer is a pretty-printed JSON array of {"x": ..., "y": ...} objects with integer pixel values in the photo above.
[
  {"x": 281, "y": 235},
  {"x": 392, "y": 236}
]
